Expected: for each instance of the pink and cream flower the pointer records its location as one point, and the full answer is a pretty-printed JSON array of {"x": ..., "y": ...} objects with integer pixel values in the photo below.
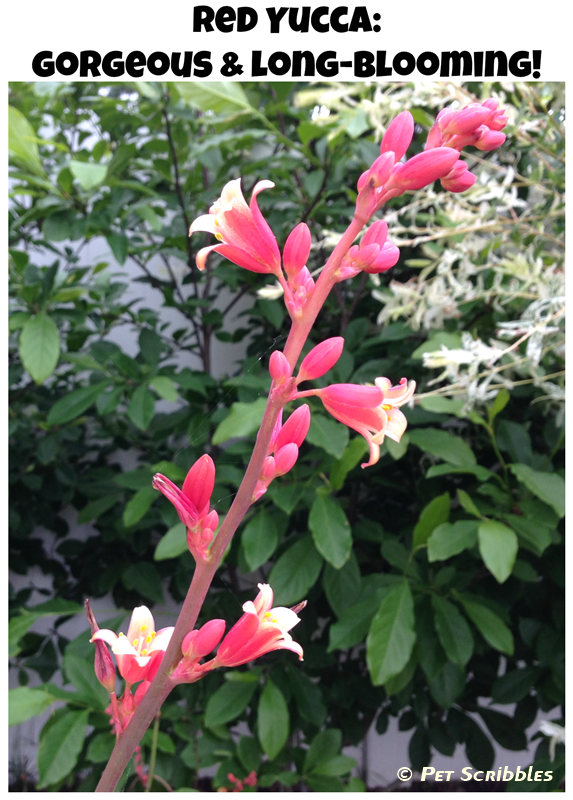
[
  {"x": 245, "y": 236},
  {"x": 261, "y": 629},
  {"x": 139, "y": 653},
  {"x": 372, "y": 411}
]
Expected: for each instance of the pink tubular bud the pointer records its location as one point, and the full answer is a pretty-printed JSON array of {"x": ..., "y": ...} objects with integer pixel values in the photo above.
[
  {"x": 459, "y": 178},
  {"x": 296, "y": 250},
  {"x": 399, "y": 135},
  {"x": 435, "y": 138},
  {"x": 424, "y": 168},
  {"x": 103, "y": 666},
  {"x": 295, "y": 428},
  {"x": 211, "y": 520},
  {"x": 208, "y": 637},
  {"x": 320, "y": 359},
  {"x": 279, "y": 367},
  {"x": 381, "y": 168},
  {"x": 268, "y": 470},
  {"x": 377, "y": 233},
  {"x": 187, "y": 645},
  {"x": 464, "y": 121},
  {"x": 351, "y": 394},
  {"x": 199, "y": 483},
  {"x": 490, "y": 140},
  {"x": 285, "y": 459},
  {"x": 366, "y": 256},
  {"x": 388, "y": 256}
]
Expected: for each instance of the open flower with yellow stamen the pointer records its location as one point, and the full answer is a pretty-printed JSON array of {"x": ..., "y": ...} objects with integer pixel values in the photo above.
[
  {"x": 140, "y": 652},
  {"x": 260, "y": 630}
]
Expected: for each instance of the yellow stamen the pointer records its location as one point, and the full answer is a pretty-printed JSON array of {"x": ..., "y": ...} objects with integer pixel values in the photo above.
[
  {"x": 218, "y": 237},
  {"x": 267, "y": 615},
  {"x": 386, "y": 408},
  {"x": 143, "y": 628},
  {"x": 149, "y": 639},
  {"x": 144, "y": 652},
  {"x": 216, "y": 221},
  {"x": 120, "y": 634},
  {"x": 153, "y": 634},
  {"x": 135, "y": 641}
]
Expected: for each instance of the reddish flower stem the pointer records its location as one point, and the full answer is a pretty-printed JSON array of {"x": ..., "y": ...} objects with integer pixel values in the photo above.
[{"x": 204, "y": 571}]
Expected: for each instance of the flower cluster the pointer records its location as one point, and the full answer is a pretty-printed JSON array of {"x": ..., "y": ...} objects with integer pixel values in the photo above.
[
  {"x": 192, "y": 504},
  {"x": 138, "y": 655}
]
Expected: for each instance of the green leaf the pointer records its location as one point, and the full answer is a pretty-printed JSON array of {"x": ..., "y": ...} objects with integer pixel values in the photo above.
[
  {"x": 500, "y": 402},
  {"x": 173, "y": 544},
  {"x": 273, "y": 720},
  {"x": 481, "y": 473},
  {"x": 453, "y": 631},
  {"x": 447, "y": 685},
  {"x": 119, "y": 244},
  {"x": 96, "y": 508},
  {"x": 548, "y": 486},
  {"x": 342, "y": 586},
  {"x": 100, "y": 748},
  {"x": 339, "y": 765},
  {"x": 39, "y": 346},
  {"x": 479, "y": 749},
  {"x": 354, "y": 624},
  {"x": 435, "y": 513},
  {"x": 350, "y": 458},
  {"x": 221, "y": 97},
  {"x": 74, "y": 404},
  {"x": 141, "y": 408},
  {"x": 443, "y": 405},
  {"x": 328, "y": 434},
  {"x": 228, "y": 702},
  {"x": 448, "y": 540},
  {"x": 468, "y": 504},
  {"x": 144, "y": 578},
  {"x": 532, "y": 534},
  {"x": 295, "y": 572},
  {"x": 165, "y": 388},
  {"x": 286, "y": 497},
  {"x": 330, "y": 530},
  {"x": 89, "y": 689},
  {"x": 22, "y": 146},
  {"x": 391, "y": 638},
  {"x": 259, "y": 539},
  {"x": 88, "y": 175},
  {"x": 504, "y": 729},
  {"x": 60, "y": 746},
  {"x": 498, "y": 547},
  {"x": 514, "y": 685},
  {"x": 443, "y": 445},
  {"x": 325, "y": 746},
  {"x": 308, "y": 696},
  {"x": 139, "y": 505},
  {"x": 243, "y": 420},
  {"x": 492, "y": 628},
  {"x": 25, "y": 703}
]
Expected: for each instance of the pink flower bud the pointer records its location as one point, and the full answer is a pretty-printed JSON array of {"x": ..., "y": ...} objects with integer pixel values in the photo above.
[
  {"x": 320, "y": 359},
  {"x": 490, "y": 140},
  {"x": 366, "y": 256},
  {"x": 424, "y": 168},
  {"x": 199, "y": 483},
  {"x": 207, "y": 536},
  {"x": 295, "y": 428},
  {"x": 268, "y": 470},
  {"x": 388, "y": 256},
  {"x": 140, "y": 692},
  {"x": 103, "y": 666},
  {"x": 464, "y": 121},
  {"x": 399, "y": 135},
  {"x": 435, "y": 137},
  {"x": 459, "y": 178},
  {"x": 208, "y": 637},
  {"x": 285, "y": 459},
  {"x": 279, "y": 367},
  {"x": 211, "y": 520},
  {"x": 377, "y": 233},
  {"x": 381, "y": 168},
  {"x": 296, "y": 250},
  {"x": 187, "y": 645}
]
